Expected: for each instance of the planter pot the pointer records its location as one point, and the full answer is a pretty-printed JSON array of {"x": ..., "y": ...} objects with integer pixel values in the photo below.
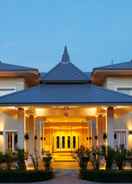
[
  {"x": 47, "y": 162},
  {"x": 83, "y": 162}
]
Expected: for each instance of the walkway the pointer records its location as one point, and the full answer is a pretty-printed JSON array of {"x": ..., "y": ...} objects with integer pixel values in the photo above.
[{"x": 67, "y": 177}]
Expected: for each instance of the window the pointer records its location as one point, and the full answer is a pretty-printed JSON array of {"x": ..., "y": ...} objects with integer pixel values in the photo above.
[
  {"x": 127, "y": 91},
  {"x": 11, "y": 141},
  {"x": 6, "y": 91},
  {"x": 74, "y": 142},
  {"x": 120, "y": 138},
  {"x": 68, "y": 142},
  {"x": 63, "y": 141},
  {"x": 58, "y": 142}
]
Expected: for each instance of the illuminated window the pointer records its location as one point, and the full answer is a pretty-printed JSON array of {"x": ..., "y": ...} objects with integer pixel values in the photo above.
[
  {"x": 58, "y": 142},
  {"x": 11, "y": 141},
  {"x": 120, "y": 138},
  {"x": 63, "y": 141},
  {"x": 68, "y": 141},
  {"x": 74, "y": 142}
]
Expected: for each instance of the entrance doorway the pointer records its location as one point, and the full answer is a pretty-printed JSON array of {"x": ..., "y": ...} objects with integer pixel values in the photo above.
[
  {"x": 65, "y": 140},
  {"x": 66, "y": 143}
]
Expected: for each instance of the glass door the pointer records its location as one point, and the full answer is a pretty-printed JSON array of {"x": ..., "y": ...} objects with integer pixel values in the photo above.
[{"x": 66, "y": 143}]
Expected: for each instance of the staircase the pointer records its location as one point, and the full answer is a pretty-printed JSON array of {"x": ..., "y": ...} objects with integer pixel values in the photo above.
[{"x": 63, "y": 157}]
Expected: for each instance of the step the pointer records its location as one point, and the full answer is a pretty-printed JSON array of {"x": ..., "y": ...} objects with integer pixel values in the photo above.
[{"x": 63, "y": 157}]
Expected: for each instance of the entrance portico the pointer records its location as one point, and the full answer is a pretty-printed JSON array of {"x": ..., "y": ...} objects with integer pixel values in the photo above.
[{"x": 63, "y": 129}]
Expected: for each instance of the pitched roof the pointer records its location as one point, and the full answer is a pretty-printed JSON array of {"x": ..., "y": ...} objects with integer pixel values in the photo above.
[
  {"x": 65, "y": 72},
  {"x": 117, "y": 66},
  {"x": 11, "y": 67},
  {"x": 43, "y": 74},
  {"x": 66, "y": 94}
]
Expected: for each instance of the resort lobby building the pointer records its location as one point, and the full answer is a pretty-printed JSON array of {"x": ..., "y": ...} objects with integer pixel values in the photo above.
[{"x": 65, "y": 108}]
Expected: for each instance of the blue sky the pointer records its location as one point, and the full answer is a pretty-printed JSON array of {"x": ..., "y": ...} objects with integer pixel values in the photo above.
[{"x": 34, "y": 32}]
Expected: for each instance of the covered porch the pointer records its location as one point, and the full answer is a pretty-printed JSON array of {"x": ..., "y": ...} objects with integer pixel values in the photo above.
[{"x": 62, "y": 129}]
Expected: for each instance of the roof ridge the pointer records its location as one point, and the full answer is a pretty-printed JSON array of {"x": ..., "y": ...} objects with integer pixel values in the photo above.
[
  {"x": 115, "y": 64},
  {"x": 15, "y": 65}
]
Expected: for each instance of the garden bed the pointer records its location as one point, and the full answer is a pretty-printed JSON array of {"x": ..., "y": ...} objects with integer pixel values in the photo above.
[
  {"x": 24, "y": 176},
  {"x": 107, "y": 176}
]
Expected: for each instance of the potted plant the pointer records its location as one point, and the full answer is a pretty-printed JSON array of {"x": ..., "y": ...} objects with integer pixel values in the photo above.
[
  {"x": 109, "y": 154},
  {"x": 8, "y": 157},
  {"x": 21, "y": 159},
  {"x": 120, "y": 157},
  {"x": 83, "y": 156},
  {"x": 47, "y": 161}
]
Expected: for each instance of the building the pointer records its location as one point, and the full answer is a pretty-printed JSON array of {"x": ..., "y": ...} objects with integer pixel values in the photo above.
[{"x": 65, "y": 108}]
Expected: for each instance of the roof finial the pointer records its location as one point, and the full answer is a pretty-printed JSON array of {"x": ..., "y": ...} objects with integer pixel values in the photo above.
[{"x": 65, "y": 57}]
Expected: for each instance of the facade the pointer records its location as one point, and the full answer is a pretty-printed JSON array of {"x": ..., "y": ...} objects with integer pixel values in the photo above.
[{"x": 61, "y": 110}]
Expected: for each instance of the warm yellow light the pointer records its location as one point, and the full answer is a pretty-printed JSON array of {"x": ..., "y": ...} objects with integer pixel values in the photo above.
[
  {"x": 9, "y": 107},
  {"x": 130, "y": 141},
  {"x": 40, "y": 111},
  {"x": 92, "y": 111},
  {"x": 129, "y": 125}
]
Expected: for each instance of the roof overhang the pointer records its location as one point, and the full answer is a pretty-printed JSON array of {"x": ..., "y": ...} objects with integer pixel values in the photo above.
[
  {"x": 31, "y": 76},
  {"x": 99, "y": 76},
  {"x": 66, "y": 94}
]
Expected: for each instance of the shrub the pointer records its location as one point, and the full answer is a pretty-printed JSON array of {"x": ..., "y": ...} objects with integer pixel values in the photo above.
[
  {"x": 83, "y": 156},
  {"x": 47, "y": 161},
  {"x": 21, "y": 162},
  {"x": 107, "y": 176},
  {"x": 94, "y": 157},
  {"x": 8, "y": 159},
  {"x": 24, "y": 176},
  {"x": 120, "y": 156},
  {"x": 1, "y": 157}
]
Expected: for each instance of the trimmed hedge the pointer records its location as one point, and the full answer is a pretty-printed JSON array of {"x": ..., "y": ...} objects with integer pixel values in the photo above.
[
  {"x": 24, "y": 176},
  {"x": 107, "y": 176}
]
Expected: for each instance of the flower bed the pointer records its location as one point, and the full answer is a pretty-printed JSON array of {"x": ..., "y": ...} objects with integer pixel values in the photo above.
[
  {"x": 24, "y": 176},
  {"x": 107, "y": 176}
]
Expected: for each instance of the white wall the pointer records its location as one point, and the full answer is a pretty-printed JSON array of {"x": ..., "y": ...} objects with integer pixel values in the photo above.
[
  {"x": 13, "y": 83},
  {"x": 12, "y": 123},
  {"x": 117, "y": 82},
  {"x": 123, "y": 122}
]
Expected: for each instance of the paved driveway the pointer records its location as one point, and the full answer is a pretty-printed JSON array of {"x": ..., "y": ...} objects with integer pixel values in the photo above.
[
  {"x": 67, "y": 180},
  {"x": 66, "y": 177}
]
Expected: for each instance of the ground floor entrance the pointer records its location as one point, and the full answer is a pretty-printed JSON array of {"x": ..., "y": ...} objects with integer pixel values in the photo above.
[
  {"x": 65, "y": 142},
  {"x": 61, "y": 130},
  {"x": 65, "y": 138}
]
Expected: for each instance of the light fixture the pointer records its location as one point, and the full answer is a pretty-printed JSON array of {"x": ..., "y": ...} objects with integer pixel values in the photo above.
[{"x": 130, "y": 132}]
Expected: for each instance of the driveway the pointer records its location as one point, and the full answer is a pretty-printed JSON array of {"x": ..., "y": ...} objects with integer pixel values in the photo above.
[{"x": 67, "y": 177}]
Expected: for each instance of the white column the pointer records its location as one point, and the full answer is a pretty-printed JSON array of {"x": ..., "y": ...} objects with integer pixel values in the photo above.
[
  {"x": 31, "y": 135},
  {"x": 38, "y": 134},
  {"x": 94, "y": 133},
  {"x": 110, "y": 125},
  {"x": 4, "y": 142},
  {"x": 21, "y": 128}
]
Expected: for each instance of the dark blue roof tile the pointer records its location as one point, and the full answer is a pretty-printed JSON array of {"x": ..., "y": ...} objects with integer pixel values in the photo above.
[
  {"x": 65, "y": 94},
  {"x": 11, "y": 67},
  {"x": 65, "y": 72},
  {"x": 117, "y": 66}
]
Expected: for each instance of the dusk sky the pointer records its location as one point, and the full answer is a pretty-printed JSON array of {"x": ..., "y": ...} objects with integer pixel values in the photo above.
[{"x": 34, "y": 32}]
